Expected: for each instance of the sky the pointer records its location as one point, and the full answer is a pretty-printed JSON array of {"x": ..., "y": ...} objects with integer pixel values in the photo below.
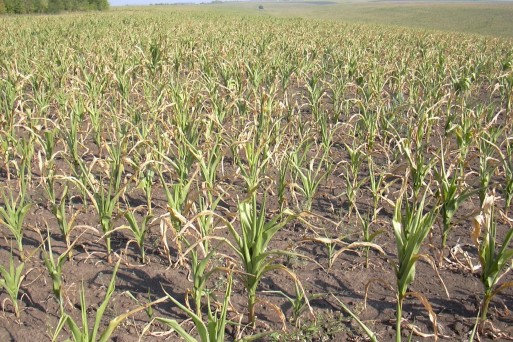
[{"x": 147, "y": 2}]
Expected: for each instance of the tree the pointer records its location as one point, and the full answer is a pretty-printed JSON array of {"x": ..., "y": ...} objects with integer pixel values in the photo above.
[
  {"x": 103, "y": 5},
  {"x": 99, "y": 4},
  {"x": 19, "y": 7},
  {"x": 50, "y": 6},
  {"x": 41, "y": 6},
  {"x": 55, "y": 6},
  {"x": 30, "y": 6},
  {"x": 66, "y": 5}
]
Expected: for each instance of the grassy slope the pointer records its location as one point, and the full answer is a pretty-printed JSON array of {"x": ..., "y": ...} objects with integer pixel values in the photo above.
[{"x": 489, "y": 18}]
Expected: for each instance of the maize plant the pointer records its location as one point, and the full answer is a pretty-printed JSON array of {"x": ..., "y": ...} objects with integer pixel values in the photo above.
[
  {"x": 494, "y": 256},
  {"x": 451, "y": 192},
  {"x": 12, "y": 215},
  {"x": 11, "y": 280},
  {"x": 410, "y": 229},
  {"x": 251, "y": 246}
]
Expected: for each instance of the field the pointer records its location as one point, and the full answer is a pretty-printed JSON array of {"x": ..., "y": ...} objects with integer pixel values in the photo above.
[
  {"x": 477, "y": 17},
  {"x": 223, "y": 172}
]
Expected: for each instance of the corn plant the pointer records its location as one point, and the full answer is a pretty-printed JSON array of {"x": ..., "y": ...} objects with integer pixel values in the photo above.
[
  {"x": 462, "y": 81},
  {"x": 117, "y": 158},
  {"x": 25, "y": 149},
  {"x": 138, "y": 230},
  {"x": 493, "y": 257},
  {"x": 54, "y": 268},
  {"x": 209, "y": 161},
  {"x": 210, "y": 331},
  {"x": 58, "y": 209},
  {"x": 352, "y": 187},
  {"x": 8, "y": 97},
  {"x": 6, "y": 148},
  {"x": 465, "y": 132},
  {"x": 200, "y": 275},
  {"x": 368, "y": 235},
  {"x": 104, "y": 201},
  {"x": 410, "y": 229},
  {"x": 356, "y": 155},
  {"x": 337, "y": 89},
  {"x": 177, "y": 195},
  {"x": 350, "y": 173},
  {"x": 257, "y": 156},
  {"x": 12, "y": 215},
  {"x": 370, "y": 125},
  {"x": 419, "y": 167},
  {"x": 199, "y": 250},
  {"x": 146, "y": 182},
  {"x": 299, "y": 155},
  {"x": 49, "y": 143},
  {"x": 507, "y": 166},
  {"x": 331, "y": 245},
  {"x": 96, "y": 123},
  {"x": 315, "y": 95},
  {"x": 377, "y": 186},
  {"x": 372, "y": 336},
  {"x": 206, "y": 223},
  {"x": 11, "y": 280},
  {"x": 451, "y": 194},
  {"x": 178, "y": 192},
  {"x": 123, "y": 81},
  {"x": 70, "y": 132},
  {"x": 327, "y": 133},
  {"x": 187, "y": 151},
  {"x": 299, "y": 303},
  {"x": 148, "y": 306},
  {"x": 93, "y": 334},
  {"x": 331, "y": 248},
  {"x": 311, "y": 177},
  {"x": 487, "y": 163},
  {"x": 281, "y": 182},
  {"x": 251, "y": 246}
]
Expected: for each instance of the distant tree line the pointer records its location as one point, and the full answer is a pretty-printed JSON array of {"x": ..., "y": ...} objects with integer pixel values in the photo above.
[{"x": 50, "y": 6}]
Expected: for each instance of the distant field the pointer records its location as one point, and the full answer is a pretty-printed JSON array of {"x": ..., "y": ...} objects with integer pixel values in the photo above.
[{"x": 488, "y": 18}]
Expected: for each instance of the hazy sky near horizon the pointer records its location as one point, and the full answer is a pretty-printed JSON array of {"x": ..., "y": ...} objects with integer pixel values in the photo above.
[{"x": 147, "y": 2}]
